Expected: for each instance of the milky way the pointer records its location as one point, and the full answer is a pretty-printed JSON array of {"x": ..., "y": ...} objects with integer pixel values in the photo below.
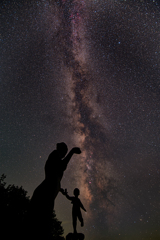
[
  {"x": 94, "y": 170},
  {"x": 86, "y": 73}
]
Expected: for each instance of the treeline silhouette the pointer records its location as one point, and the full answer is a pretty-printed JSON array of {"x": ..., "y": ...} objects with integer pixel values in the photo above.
[{"x": 14, "y": 205}]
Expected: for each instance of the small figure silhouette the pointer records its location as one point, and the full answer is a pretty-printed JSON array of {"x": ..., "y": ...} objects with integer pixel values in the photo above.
[
  {"x": 42, "y": 201},
  {"x": 76, "y": 209}
]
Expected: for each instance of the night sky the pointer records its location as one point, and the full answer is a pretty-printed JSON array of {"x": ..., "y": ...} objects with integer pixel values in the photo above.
[{"x": 87, "y": 73}]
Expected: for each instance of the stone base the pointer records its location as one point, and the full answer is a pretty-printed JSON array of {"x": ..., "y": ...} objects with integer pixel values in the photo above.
[{"x": 75, "y": 236}]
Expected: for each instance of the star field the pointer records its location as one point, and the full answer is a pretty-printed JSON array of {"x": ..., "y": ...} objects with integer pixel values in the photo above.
[{"x": 86, "y": 73}]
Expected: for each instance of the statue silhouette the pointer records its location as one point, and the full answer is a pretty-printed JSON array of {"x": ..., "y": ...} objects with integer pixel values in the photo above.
[
  {"x": 76, "y": 209},
  {"x": 42, "y": 201}
]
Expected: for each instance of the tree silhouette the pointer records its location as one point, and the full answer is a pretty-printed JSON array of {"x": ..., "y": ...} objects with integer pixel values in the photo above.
[
  {"x": 57, "y": 230},
  {"x": 14, "y": 205}
]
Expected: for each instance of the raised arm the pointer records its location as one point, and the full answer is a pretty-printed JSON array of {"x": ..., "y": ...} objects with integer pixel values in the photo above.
[
  {"x": 69, "y": 155},
  {"x": 68, "y": 197},
  {"x": 64, "y": 192}
]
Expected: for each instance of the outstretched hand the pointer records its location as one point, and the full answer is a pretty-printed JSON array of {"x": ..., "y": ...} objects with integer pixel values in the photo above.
[
  {"x": 62, "y": 191},
  {"x": 65, "y": 192},
  {"x": 76, "y": 150}
]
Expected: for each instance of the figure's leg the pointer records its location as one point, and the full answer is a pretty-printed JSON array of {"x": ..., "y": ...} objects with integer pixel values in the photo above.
[
  {"x": 74, "y": 219},
  {"x": 80, "y": 218}
]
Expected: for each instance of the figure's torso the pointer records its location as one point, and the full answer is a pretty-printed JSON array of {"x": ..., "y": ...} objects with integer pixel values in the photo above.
[
  {"x": 76, "y": 204},
  {"x": 54, "y": 167}
]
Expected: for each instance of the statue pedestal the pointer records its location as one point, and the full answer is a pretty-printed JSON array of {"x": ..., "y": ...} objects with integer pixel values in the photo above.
[{"x": 75, "y": 236}]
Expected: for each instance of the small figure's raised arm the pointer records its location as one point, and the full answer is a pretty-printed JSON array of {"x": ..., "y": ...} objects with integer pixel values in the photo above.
[
  {"x": 67, "y": 196},
  {"x": 62, "y": 191},
  {"x": 65, "y": 191}
]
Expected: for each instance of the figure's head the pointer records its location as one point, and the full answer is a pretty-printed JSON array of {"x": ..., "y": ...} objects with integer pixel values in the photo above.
[
  {"x": 62, "y": 149},
  {"x": 76, "y": 192}
]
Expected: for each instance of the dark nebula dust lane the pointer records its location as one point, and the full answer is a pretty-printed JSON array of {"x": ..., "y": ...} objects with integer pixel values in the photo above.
[{"x": 86, "y": 72}]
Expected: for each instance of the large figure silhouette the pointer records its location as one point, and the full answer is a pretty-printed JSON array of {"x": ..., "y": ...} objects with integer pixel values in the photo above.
[{"x": 42, "y": 201}]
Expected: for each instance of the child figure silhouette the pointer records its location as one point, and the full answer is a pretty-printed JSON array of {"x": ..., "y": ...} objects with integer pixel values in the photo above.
[{"x": 76, "y": 209}]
